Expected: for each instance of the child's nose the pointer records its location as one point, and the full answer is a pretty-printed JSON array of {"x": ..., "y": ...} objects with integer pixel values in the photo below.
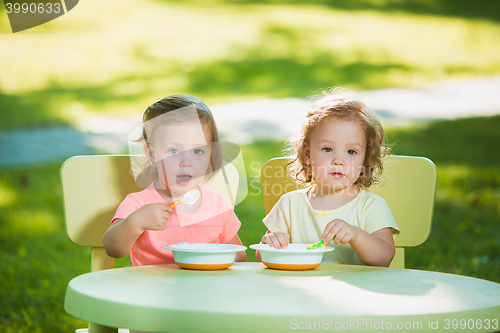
[
  {"x": 338, "y": 159},
  {"x": 185, "y": 160}
]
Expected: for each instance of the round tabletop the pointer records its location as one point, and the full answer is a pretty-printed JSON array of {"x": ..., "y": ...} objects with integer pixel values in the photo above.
[{"x": 248, "y": 297}]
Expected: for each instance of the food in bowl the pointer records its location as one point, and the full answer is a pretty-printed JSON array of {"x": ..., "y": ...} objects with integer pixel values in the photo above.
[
  {"x": 295, "y": 257},
  {"x": 204, "y": 256}
]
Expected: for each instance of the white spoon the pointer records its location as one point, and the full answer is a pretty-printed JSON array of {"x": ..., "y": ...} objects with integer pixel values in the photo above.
[{"x": 189, "y": 199}]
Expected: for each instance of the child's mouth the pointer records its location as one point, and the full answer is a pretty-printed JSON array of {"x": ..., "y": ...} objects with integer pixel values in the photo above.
[
  {"x": 336, "y": 174},
  {"x": 183, "y": 179}
]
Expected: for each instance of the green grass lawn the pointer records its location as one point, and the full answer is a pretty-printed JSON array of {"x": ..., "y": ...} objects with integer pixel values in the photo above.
[{"x": 39, "y": 260}]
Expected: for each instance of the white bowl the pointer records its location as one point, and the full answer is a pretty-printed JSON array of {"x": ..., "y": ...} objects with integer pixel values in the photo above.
[
  {"x": 294, "y": 257},
  {"x": 204, "y": 256}
]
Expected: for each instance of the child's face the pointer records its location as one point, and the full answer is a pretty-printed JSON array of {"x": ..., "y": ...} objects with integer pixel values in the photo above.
[
  {"x": 336, "y": 154},
  {"x": 182, "y": 156}
]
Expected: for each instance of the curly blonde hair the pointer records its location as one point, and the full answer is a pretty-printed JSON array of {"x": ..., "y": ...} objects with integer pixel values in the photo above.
[{"x": 340, "y": 104}]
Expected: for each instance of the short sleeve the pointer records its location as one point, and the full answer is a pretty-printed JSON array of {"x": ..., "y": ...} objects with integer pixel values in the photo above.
[
  {"x": 278, "y": 218},
  {"x": 127, "y": 207},
  {"x": 379, "y": 216}
]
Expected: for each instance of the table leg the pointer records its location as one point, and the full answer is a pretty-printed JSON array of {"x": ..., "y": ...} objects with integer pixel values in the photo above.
[{"x": 94, "y": 328}]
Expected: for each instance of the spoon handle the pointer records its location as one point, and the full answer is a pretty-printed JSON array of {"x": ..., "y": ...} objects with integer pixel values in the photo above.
[
  {"x": 317, "y": 245},
  {"x": 176, "y": 202}
]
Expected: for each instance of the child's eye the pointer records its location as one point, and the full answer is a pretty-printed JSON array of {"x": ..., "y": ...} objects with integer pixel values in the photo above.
[
  {"x": 352, "y": 152},
  {"x": 198, "y": 151},
  {"x": 327, "y": 150},
  {"x": 173, "y": 151}
]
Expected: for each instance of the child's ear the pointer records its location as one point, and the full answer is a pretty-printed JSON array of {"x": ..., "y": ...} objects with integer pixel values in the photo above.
[{"x": 150, "y": 155}]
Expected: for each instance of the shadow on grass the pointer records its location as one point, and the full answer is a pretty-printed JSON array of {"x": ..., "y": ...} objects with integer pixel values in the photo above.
[
  {"x": 486, "y": 9},
  {"x": 284, "y": 77},
  {"x": 468, "y": 141},
  {"x": 53, "y": 105},
  {"x": 26, "y": 110}
]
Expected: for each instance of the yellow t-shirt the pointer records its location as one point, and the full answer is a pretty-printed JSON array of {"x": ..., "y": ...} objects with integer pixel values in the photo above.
[{"x": 294, "y": 214}]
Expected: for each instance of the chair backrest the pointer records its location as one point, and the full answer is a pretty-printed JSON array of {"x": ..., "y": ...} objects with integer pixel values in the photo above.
[
  {"x": 409, "y": 187},
  {"x": 93, "y": 187}
]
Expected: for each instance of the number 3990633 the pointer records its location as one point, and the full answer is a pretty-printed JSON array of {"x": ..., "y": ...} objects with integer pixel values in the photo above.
[
  {"x": 471, "y": 324},
  {"x": 27, "y": 7}
]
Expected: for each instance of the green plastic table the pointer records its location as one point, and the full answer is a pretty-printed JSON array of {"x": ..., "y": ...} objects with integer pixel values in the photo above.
[{"x": 248, "y": 297}]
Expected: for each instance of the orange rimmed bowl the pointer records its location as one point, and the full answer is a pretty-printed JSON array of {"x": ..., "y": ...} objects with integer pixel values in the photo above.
[
  {"x": 295, "y": 257},
  {"x": 204, "y": 256}
]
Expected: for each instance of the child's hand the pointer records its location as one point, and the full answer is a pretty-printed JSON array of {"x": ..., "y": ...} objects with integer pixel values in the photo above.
[
  {"x": 152, "y": 216},
  {"x": 342, "y": 231},
  {"x": 278, "y": 239}
]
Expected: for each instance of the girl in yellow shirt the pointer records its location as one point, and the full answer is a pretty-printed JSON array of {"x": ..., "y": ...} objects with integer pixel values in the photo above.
[{"x": 339, "y": 153}]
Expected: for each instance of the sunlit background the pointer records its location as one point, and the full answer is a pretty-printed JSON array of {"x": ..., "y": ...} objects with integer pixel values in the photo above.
[{"x": 114, "y": 58}]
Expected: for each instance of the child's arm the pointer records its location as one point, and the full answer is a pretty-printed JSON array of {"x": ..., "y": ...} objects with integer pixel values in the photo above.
[
  {"x": 241, "y": 255},
  {"x": 121, "y": 236},
  {"x": 375, "y": 249}
]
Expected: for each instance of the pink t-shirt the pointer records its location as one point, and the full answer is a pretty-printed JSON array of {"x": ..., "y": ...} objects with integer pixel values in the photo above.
[{"x": 218, "y": 224}]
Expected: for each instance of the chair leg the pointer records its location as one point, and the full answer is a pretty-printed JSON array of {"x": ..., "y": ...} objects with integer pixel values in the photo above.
[
  {"x": 86, "y": 330},
  {"x": 95, "y": 328}
]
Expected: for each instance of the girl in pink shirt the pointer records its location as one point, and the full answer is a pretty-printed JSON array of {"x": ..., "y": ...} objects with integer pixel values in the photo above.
[{"x": 181, "y": 143}]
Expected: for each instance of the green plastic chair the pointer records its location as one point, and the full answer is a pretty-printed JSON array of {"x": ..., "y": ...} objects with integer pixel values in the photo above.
[
  {"x": 409, "y": 189},
  {"x": 93, "y": 187}
]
